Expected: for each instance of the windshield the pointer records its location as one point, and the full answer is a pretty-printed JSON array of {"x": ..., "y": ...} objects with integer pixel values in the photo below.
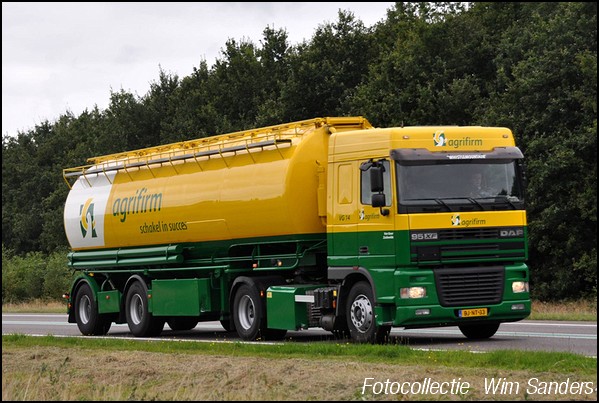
[{"x": 451, "y": 184}]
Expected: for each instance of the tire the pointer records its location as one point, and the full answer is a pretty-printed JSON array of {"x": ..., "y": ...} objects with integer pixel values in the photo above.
[
  {"x": 480, "y": 331},
  {"x": 249, "y": 316},
  {"x": 341, "y": 334},
  {"x": 248, "y": 313},
  {"x": 182, "y": 323},
  {"x": 89, "y": 321},
  {"x": 141, "y": 322},
  {"x": 274, "y": 334},
  {"x": 228, "y": 325},
  {"x": 360, "y": 316},
  {"x": 341, "y": 330}
]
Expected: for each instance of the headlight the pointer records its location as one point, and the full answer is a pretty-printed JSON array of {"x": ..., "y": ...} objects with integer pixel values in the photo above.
[
  {"x": 520, "y": 286},
  {"x": 412, "y": 292}
]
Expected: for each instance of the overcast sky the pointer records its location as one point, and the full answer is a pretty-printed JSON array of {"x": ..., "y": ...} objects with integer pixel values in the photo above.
[{"x": 69, "y": 56}]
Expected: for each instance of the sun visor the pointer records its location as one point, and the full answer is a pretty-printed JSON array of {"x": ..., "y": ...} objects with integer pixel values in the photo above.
[{"x": 416, "y": 156}]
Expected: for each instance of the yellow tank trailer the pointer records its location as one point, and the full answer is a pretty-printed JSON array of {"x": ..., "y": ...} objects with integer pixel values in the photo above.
[
  {"x": 326, "y": 222},
  {"x": 242, "y": 185}
]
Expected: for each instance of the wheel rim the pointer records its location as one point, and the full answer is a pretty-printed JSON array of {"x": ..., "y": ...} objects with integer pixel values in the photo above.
[
  {"x": 361, "y": 313},
  {"x": 85, "y": 309},
  {"x": 136, "y": 309},
  {"x": 246, "y": 312}
]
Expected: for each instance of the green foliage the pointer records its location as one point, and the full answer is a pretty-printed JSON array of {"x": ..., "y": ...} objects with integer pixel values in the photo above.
[
  {"x": 529, "y": 66},
  {"x": 548, "y": 89},
  {"x": 34, "y": 276},
  {"x": 325, "y": 72}
]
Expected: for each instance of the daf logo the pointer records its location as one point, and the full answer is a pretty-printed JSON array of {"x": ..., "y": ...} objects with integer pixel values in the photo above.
[{"x": 511, "y": 232}]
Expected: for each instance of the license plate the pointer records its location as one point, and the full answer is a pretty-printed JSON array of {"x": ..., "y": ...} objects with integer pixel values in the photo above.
[{"x": 471, "y": 313}]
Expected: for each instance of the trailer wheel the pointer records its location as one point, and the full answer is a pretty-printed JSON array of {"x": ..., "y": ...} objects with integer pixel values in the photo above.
[
  {"x": 141, "y": 322},
  {"x": 182, "y": 323},
  {"x": 480, "y": 331},
  {"x": 89, "y": 321},
  {"x": 361, "y": 320}
]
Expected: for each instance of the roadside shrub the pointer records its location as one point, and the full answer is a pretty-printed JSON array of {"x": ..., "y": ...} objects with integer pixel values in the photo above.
[
  {"x": 34, "y": 276},
  {"x": 57, "y": 276}
]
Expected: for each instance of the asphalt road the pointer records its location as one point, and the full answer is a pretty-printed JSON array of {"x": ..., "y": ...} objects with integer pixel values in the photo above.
[{"x": 527, "y": 335}]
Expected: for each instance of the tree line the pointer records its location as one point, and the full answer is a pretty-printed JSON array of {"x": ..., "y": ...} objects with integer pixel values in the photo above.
[{"x": 531, "y": 67}]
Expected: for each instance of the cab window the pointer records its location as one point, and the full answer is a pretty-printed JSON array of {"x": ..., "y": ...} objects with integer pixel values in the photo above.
[{"x": 366, "y": 192}]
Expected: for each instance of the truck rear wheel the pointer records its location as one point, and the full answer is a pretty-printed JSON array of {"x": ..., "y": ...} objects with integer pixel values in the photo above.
[
  {"x": 89, "y": 321},
  {"x": 249, "y": 316},
  {"x": 141, "y": 322},
  {"x": 480, "y": 331},
  {"x": 248, "y": 313},
  {"x": 361, "y": 320},
  {"x": 228, "y": 325}
]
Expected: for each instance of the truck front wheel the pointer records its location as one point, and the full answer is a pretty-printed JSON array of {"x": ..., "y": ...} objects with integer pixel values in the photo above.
[
  {"x": 141, "y": 322},
  {"x": 89, "y": 321},
  {"x": 480, "y": 331},
  {"x": 360, "y": 315}
]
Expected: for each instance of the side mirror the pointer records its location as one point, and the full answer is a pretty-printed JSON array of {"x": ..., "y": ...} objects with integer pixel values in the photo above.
[
  {"x": 378, "y": 200},
  {"x": 376, "y": 179},
  {"x": 377, "y": 184},
  {"x": 522, "y": 166}
]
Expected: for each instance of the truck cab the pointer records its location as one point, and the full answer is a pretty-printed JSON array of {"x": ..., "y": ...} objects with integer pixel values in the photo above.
[{"x": 429, "y": 224}]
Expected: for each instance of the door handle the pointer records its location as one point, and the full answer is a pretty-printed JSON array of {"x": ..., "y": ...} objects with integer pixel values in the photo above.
[{"x": 363, "y": 249}]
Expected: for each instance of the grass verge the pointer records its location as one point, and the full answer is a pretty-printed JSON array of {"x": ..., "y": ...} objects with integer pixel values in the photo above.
[
  {"x": 582, "y": 310},
  {"x": 404, "y": 355},
  {"x": 50, "y": 368}
]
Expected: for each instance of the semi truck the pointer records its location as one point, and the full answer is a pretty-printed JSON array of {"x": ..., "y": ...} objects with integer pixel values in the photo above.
[{"x": 324, "y": 223}]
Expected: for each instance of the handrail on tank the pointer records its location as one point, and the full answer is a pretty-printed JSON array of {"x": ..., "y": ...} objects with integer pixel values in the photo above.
[
  {"x": 225, "y": 139},
  {"x": 209, "y": 146},
  {"x": 247, "y": 148},
  {"x": 107, "y": 177}
]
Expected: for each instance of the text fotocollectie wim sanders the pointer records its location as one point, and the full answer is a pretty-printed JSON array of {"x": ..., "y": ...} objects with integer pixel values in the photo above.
[{"x": 489, "y": 386}]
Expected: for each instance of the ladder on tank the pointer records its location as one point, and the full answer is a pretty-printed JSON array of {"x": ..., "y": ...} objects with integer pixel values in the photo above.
[{"x": 270, "y": 137}]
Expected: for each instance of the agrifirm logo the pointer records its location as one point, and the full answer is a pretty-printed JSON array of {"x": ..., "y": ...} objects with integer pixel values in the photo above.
[
  {"x": 87, "y": 221},
  {"x": 84, "y": 210},
  {"x": 440, "y": 140},
  {"x": 141, "y": 202},
  {"x": 456, "y": 221}
]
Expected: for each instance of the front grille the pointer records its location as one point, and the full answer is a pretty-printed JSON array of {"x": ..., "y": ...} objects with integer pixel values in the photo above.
[
  {"x": 468, "y": 233},
  {"x": 470, "y": 251},
  {"x": 470, "y": 286},
  {"x": 460, "y": 244}
]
